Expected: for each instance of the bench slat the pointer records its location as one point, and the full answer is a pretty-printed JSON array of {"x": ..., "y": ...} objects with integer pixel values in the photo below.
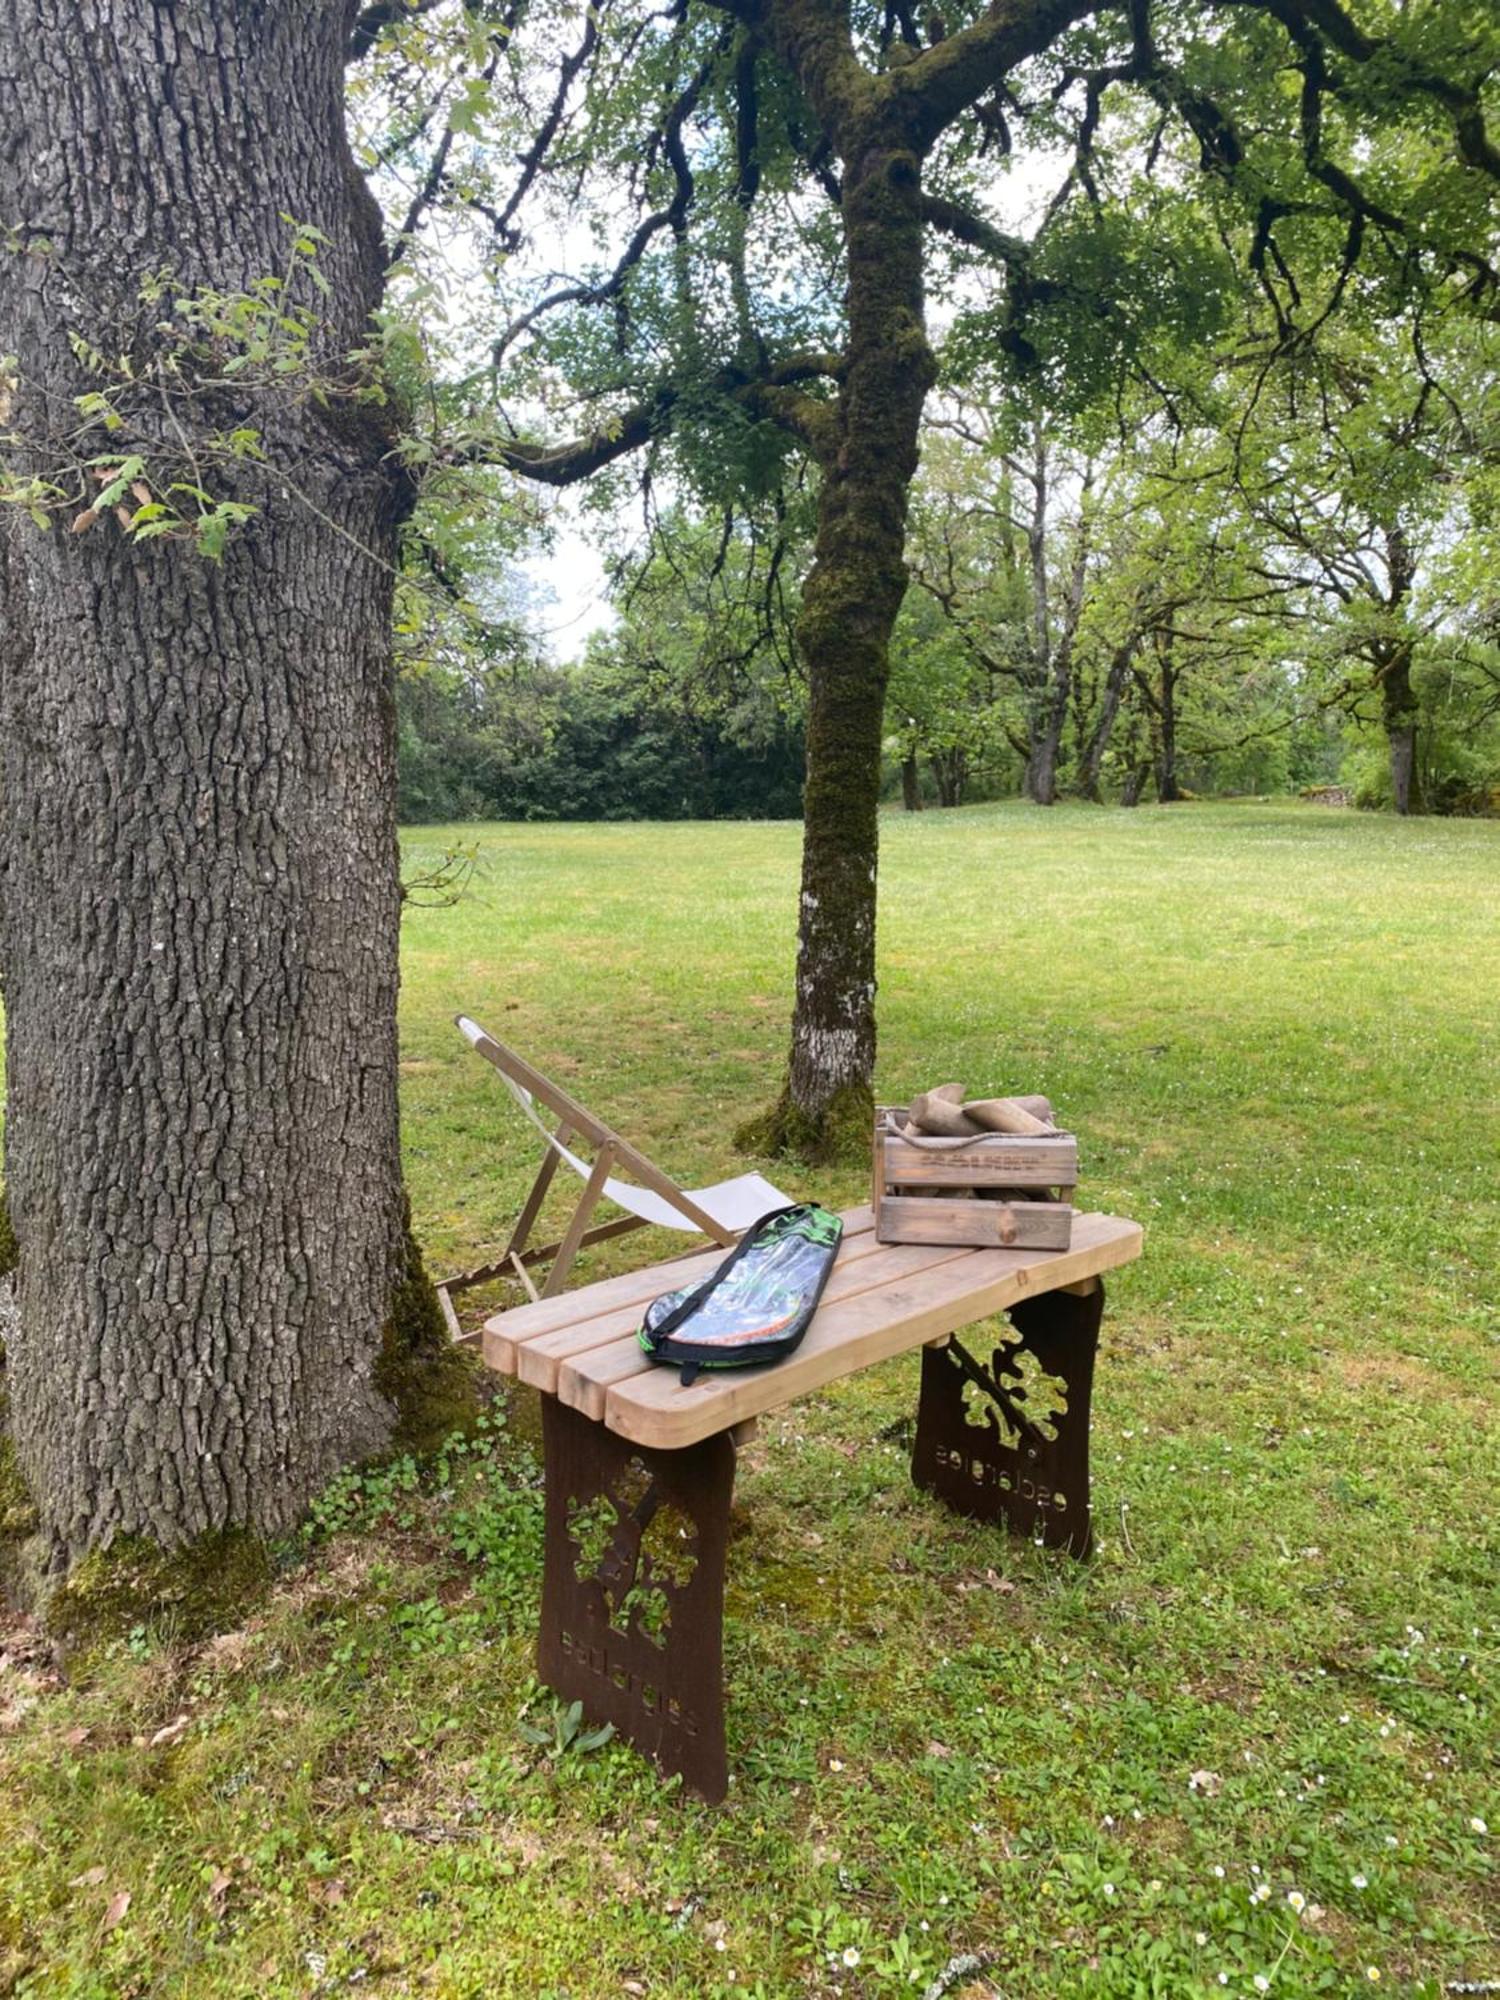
[
  {"x": 871, "y": 1326},
  {"x": 508, "y": 1332},
  {"x": 540, "y": 1360},
  {"x": 584, "y": 1380}
]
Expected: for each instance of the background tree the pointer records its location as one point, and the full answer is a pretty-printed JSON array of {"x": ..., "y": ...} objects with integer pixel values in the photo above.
[
  {"x": 1353, "y": 465},
  {"x": 713, "y": 325}
]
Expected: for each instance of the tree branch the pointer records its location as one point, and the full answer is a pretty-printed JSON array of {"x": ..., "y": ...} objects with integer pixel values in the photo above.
[
  {"x": 649, "y": 418},
  {"x": 371, "y": 22},
  {"x": 953, "y": 219},
  {"x": 566, "y": 464},
  {"x": 957, "y": 72}
]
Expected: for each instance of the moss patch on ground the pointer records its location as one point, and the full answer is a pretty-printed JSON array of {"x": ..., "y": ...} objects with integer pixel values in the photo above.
[{"x": 838, "y": 1136}]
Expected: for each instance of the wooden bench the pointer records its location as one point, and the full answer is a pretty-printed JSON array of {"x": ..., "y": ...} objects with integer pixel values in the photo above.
[{"x": 640, "y": 1470}]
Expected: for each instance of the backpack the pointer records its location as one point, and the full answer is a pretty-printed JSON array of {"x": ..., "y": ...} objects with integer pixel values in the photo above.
[{"x": 757, "y": 1305}]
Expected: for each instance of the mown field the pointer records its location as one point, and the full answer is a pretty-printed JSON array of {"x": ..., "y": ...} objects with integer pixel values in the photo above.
[{"x": 1249, "y": 1748}]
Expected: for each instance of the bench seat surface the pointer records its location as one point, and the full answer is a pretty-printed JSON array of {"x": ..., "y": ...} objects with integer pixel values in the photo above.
[{"x": 881, "y": 1300}]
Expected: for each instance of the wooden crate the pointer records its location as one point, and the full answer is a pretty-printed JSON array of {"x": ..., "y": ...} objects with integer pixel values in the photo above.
[{"x": 915, "y": 1199}]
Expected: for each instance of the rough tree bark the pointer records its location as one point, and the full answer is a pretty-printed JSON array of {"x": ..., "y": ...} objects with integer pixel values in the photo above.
[{"x": 198, "y": 874}]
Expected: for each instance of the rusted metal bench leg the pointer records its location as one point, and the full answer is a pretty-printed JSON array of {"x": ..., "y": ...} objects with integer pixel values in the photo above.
[
  {"x": 1005, "y": 1437},
  {"x": 633, "y": 1589}
]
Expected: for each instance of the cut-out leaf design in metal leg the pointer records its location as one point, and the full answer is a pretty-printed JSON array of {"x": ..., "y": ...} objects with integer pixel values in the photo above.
[
  {"x": 1042, "y": 1398},
  {"x": 1009, "y": 1440},
  {"x": 636, "y": 1548}
]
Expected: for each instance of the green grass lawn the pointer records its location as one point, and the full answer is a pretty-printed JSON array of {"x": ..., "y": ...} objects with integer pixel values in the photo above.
[{"x": 1252, "y": 1741}]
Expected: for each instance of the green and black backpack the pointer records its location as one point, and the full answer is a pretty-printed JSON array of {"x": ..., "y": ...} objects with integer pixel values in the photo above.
[{"x": 757, "y": 1305}]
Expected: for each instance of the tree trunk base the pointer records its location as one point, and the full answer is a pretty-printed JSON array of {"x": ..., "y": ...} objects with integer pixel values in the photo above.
[
  {"x": 433, "y": 1385},
  {"x": 208, "y": 1585},
  {"x": 187, "y": 1594},
  {"x": 839, "y": 1133}
]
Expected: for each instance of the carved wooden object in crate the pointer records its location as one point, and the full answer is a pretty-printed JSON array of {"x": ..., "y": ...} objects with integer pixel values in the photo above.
[{"x": 917, "y": 1189}]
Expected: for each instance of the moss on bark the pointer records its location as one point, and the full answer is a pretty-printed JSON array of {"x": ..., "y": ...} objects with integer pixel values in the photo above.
[
  {"x": 10, "y": 1252},
  {"x": 187, "y": 1593},
  {"x": 17, "y": 1508},
  {"x": 838, "y": 1134},
  {"x": 433, "y": 1385},
  {"x": 18, "y": 1515}
]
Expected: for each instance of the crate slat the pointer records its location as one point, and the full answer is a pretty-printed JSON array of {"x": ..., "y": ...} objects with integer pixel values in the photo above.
[
  {"x": 910, "y": 1209},
  {"x": 1021, "y": 1225}
]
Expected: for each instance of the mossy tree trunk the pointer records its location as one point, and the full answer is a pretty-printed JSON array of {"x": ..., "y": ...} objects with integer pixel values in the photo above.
[
  {"x": 849, "y": 606},
  {"x": 198, "y": 868}
]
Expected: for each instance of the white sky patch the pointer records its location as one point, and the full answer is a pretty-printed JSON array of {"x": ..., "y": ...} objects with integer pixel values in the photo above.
[{"x": 572, "y": 589}]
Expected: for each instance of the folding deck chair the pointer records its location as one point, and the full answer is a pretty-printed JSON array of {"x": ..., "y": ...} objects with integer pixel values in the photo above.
[{"x": 650, "y": 1198}]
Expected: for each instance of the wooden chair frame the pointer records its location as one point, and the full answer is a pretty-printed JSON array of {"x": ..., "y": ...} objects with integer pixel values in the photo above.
[{"x": 575, "y": 1123}]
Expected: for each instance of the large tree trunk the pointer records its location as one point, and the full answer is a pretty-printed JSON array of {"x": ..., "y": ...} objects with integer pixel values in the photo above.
[
  {"x": 1398, "y": 699},
  {"x": 198, "y": 873},
  {"x": 852, "y": 595}
]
